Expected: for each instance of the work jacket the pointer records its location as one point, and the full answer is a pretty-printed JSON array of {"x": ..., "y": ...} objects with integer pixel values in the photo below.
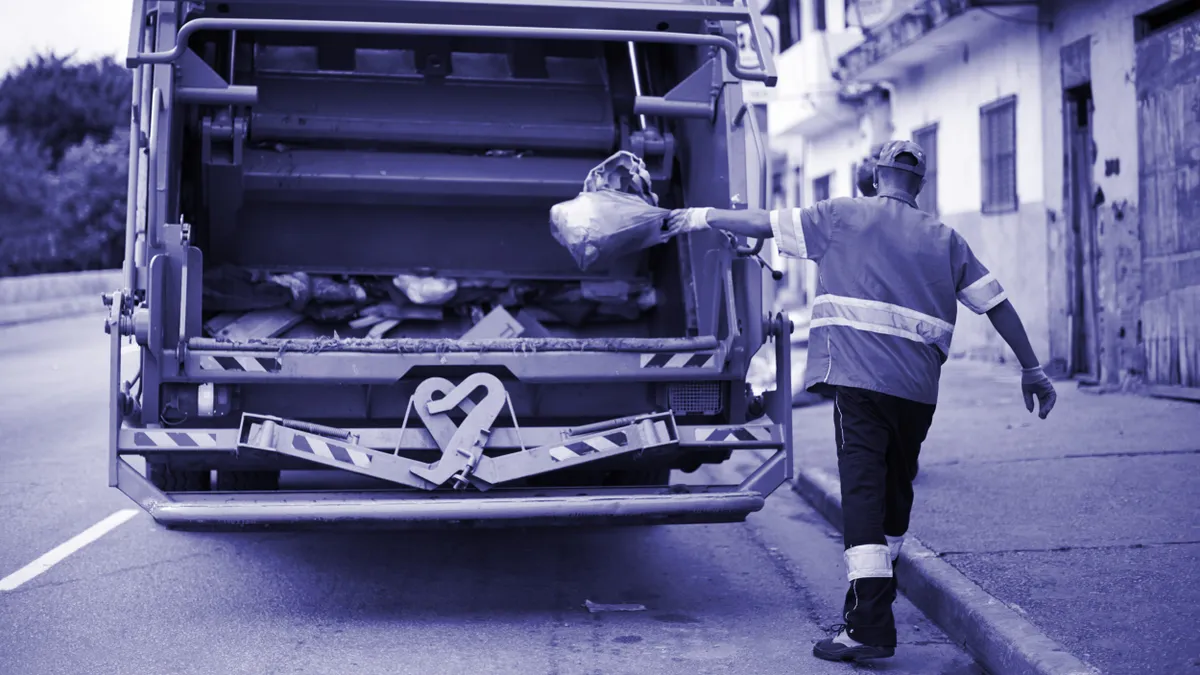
[{"x": 890, "y": 277}]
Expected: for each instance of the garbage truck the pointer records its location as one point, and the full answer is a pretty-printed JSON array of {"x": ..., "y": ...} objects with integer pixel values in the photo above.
[{"x": 342, "y": 303}]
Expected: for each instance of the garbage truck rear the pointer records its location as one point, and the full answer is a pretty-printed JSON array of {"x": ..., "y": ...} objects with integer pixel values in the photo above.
[{"x": 339, "y": 267}]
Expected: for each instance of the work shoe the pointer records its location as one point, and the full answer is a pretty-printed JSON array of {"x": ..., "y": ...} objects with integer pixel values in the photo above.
[{"x": 845, "y": 648}]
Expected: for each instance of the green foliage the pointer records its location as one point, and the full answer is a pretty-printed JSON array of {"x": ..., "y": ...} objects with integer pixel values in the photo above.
[
  {"x": 58, "y": 104},
  {"x": 64, "y": 145}
]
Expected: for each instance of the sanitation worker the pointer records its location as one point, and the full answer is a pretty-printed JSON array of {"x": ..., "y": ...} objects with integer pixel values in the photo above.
[{"x": 890, "y": 279}]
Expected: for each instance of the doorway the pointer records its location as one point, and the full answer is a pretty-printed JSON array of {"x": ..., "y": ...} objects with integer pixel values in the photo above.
[{"x": 1080, "y": 152}]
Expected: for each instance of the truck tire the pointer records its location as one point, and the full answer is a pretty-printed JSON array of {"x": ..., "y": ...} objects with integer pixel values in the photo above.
[
  {"x": 253, "y": 481},
  {"x": 167, "y": 479}
]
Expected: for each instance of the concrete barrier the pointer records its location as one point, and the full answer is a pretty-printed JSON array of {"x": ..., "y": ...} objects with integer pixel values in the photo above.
[{"x": 51, "y": 296}]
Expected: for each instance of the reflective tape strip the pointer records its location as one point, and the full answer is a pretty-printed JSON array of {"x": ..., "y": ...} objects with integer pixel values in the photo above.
[
  {"x": 174, "y": 439},
  {"x": 869, "y": 561},
  {"x": 981, "y": 296},
  {"x": 684, "y": 360},
  {"x": 789, "y": 233},
  {"x": 881, "y": 317},
  {"x": 859, "y": 303},
  {"x": 245, "y": 364},
  {"x": 589, "y": 446},
  {"x": 331, "y": 451},
  {"x": 732, "y": 434}
]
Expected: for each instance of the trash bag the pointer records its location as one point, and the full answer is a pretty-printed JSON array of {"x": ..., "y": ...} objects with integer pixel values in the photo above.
[
  {"x": 234, "y": 289},
  {"x": 599, "y": 227},
  {"x": 616, "y": 215},
  {"x": 623, "y": 172},
  {"x": 327, "y": 291},
  {"x": 426, "y": 290}
]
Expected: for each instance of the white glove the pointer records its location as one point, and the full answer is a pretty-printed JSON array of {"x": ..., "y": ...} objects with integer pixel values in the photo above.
[{"x": 682, "y": 221}]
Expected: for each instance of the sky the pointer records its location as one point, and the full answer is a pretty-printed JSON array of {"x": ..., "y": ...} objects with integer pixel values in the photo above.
[{"x": 91, "y": 28}]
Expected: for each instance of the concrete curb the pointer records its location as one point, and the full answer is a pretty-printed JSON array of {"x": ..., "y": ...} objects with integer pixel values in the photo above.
[
  {"x": 43, "y": 297},
  {"x": 60, "y": 308},
  {"x": 1000, "y": 639}
]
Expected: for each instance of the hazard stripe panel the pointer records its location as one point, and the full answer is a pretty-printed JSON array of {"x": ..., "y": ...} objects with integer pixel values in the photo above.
[
  {"x": 589, "y": 446},
  {"x": 332, "y": 451},
  {"x": 732, "y": 434},
  {"x": 684, "y": 360},
  {"x": 174, "y": 439},
  {"x": 241, "y": 364}
]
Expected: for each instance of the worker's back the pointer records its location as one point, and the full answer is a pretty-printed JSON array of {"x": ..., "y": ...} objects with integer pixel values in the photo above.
[{"x": 886, "y": 299}]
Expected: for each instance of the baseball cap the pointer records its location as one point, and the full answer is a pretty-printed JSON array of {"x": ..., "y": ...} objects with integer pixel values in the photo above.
[{"x": 893, "y": 149}]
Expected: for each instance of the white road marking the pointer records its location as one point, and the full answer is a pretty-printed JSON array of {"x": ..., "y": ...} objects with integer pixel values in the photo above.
[{"x": 60, "y": 552}]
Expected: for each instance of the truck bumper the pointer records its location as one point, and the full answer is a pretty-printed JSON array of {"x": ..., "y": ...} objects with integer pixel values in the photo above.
[{"x": 408, "y": 510}]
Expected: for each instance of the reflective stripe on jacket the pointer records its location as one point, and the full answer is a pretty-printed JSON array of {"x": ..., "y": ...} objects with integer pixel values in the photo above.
[{"x": 890, "y": 276}]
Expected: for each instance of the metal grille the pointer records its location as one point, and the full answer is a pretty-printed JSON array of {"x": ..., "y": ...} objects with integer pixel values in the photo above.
[{"x": 696, "y": 398}]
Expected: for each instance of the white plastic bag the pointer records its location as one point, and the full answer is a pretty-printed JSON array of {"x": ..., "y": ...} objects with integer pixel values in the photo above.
[
  {"x": 426, "y": 290},
  {"x": 616, "y": 215}
]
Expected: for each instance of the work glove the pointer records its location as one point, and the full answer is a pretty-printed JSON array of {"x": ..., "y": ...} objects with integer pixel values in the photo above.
[
  {"x": 682, "y": 221},
  {"x": 1035, "y": 383}
]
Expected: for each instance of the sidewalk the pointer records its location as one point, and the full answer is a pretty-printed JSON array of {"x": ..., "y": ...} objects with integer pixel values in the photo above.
[{"x": 1086, "y": 525}]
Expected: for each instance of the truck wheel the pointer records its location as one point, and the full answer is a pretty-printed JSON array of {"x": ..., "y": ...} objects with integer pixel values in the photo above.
[
  {"x": 254, "y": 481},
  {"x": 167, "y": 479},
  {"x": 644, "y": 477}
]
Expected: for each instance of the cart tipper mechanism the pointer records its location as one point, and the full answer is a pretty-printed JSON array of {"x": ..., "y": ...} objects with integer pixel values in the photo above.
[{"x": 336, "y": 208}]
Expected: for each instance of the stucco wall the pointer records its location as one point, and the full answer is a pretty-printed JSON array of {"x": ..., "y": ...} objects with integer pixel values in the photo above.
[
  {"x": 1012, "y": 245},
  {"x": 1109, "y": 26}
]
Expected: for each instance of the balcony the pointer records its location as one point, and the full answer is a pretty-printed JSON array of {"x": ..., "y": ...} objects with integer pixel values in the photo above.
[
  {"x": 928, "y": 30},
  {"x": 806, "y": 101}
]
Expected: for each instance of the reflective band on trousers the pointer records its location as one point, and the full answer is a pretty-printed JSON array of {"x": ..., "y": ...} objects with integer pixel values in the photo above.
[
  {"x": 789, "y": 234},
  {"x": 868, "y": 561},
  {"x": 983, "y": 295},
  {"x": 881, "y": 317}
]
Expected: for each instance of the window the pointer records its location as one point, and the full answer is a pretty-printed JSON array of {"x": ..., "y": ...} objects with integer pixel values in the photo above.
[
  {"x": 821, "y": 188},
  {"x": 819, "y": 15},
  {"x": 998, "y": 145},
  {"x": 927, "y": 139}
]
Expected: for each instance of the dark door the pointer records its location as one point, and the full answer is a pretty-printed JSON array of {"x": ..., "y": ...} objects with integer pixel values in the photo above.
[{"x": 1085, "y": 354}]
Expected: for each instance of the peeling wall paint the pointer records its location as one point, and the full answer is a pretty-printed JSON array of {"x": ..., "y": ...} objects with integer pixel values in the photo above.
[{"x": 1109, "y": 26}]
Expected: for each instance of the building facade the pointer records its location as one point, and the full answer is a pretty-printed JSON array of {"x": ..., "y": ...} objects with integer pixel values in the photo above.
[
  {"x": 1046, "y": 125},
  {"x": 1121, "y": 82}
]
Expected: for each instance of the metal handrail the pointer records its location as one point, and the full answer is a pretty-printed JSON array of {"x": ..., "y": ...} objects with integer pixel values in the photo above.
[
  {"x": 747, "y": 113},
  {"x": 135, "y": 129},
  {"x": 152, "y": 185},
  {"x": 726, "y": 45}
]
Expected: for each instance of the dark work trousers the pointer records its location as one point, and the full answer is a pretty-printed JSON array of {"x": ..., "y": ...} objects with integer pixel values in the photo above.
[{"x": 878, "y": 440}]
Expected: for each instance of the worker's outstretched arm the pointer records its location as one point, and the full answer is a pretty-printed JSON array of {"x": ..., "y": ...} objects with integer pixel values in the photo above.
[
  {"x": 798, "y": 233},
  {"x": 1034, "y": 381},
  {"x": 753, "y": 223}
]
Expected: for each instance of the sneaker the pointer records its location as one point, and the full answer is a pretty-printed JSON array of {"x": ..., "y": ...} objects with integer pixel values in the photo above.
[{"x": 845, "y": 648}]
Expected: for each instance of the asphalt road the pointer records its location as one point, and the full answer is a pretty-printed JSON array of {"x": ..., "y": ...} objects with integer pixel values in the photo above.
[{"x": 744, "y": 598}]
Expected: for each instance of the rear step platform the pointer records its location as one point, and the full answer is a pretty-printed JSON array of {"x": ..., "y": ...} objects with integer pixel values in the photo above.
[{"x": 463, "y": 462}]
